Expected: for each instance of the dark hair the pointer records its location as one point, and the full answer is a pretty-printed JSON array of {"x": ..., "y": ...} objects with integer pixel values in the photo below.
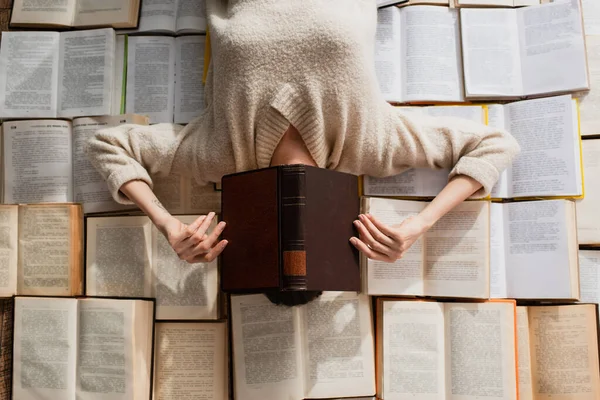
[{"x": 291, "y": 298}]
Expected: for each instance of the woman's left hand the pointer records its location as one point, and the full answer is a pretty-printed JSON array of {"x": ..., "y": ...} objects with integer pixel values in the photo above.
[{"x": 383, "y": 243}]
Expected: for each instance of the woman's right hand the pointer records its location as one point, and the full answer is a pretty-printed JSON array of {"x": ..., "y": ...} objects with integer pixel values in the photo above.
[{"x": 191, "y": 242}]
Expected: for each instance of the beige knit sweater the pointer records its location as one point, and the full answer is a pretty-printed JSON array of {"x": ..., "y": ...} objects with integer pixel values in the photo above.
[{"x": 308, "y": 63}]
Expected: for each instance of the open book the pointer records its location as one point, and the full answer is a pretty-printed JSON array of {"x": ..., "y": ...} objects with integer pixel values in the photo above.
[
  {"x": 76, "y": 13},
  {"x": 190, "y": 361},
  {"x": 41, "y": 252},
  {"x": 172, "y": 17},
  {"x": 323, "y": 349},
  {"x": 52, "y": 74},
  {"x": 549, "y": 163},
  {"x": 129, "y": 257},
  {"x": 507, "y": 52},
  {"x": 534, "y": 250},
  {"x": 82, "y": 349},
  {"x": 558, "y": 352},
  {"x": 417, "y": 54},
  {"x": 450, "y": 260},
  {"x": 164, "y": 77},
  {"x": 45, "y": 161},
  {"x": 446, "y": 351},
  {"x": 588, "y": 213}
]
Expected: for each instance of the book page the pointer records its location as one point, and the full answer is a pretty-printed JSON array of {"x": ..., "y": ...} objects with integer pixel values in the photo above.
[
  {"x": 591, "y": 16},
  {"x": 564, "y": 352},
  {"x": 158, "y": 16},
  {"x": 45, "y": 243},
  {"x": 106, "y": 12},
  {"x": 589, "y": 101},
  {"x": 457, "y": 259},
  {"x": 537, "y": 254},
  {"x": 203, "y": 198},
  {"x": 170, "y": 191},
  {"x": 497, "y": 119},
  {"x": 588, "y": 214},
  {"x": 589, "y": 276},
  {"x": 191, "y": 16},
  {"x": 150, "y": 77},
  {"x": 105, "y": 364},
  {"x": 490, "y": 48},
  {"x": 29, "y": 74},
  {"x": 45, "y": 348},
  {"x": 89, "y": 187},
  {"x": 190, "y": 361},
  {"x": 405, "y": 276},
  {"x": 480, "y": 351},
  {"x": 545, "y": 130},
  {"x": 338, "y": 342},
  {"x": 37, "y": 161},
  {"x": 48, "y": 12},
  {"x": 552, "y": 34},
  {"x": 119, "y": 77},
  {"x": 431, "y": 54},
  {"x": 415, "y": 182},
  {"x": 183, "y": 290},
  {"x": 9, "y": 236},
  {"x": 86, "y": 68},
  {"x": 472, "y": 113},
  {"x": 189, "y": 89},
  {"x": 524, "y": 355},
  {"x": 413, "y": 350},
  {"x": 118, "y": 256},
  {"x": 266, "y": 349},
  {"x": 388, "y": 53},
  {"x": 497, "y": 252},
  {"x": 483, "y": 3}
]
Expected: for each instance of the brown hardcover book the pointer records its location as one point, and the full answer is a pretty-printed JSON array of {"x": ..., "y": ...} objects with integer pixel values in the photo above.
[
  {"x": 288, "y": 228},
  {"x": 6, "y": 350}
]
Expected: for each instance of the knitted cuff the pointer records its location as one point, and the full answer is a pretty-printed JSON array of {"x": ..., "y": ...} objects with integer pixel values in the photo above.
[
  {"x": 123, "y": 175},
  {"x": 480, "y": 170}
]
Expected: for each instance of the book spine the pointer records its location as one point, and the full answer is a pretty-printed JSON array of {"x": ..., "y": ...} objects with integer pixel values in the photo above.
[{"x": 293, "y": 204}]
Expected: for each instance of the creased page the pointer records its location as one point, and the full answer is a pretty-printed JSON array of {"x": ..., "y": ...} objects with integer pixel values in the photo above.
[
  {"x": 106, "y": 12},
  {"x": 45, "y": 348},
  {"x": 564, "y": 352},
  {"x": 490, "y": 48},
  {"x": 405, "y": 276},
  {"x": 86, "y": 72},
  {"x": 183, "y": 290},
  {"x": 497, "y": 252},
  {"x": 48, "y": 12},
  {"x": 191, "y": 16},
  {"x": 480, "y": 351},
  {"x": 45, "y": 250},
  {"x": 588, "y": 214},
  {"x": 158, "y": 16},
  {"x": 190, "y": 361},
  {"x": 266, "y": 349},
  {"x": 552, "y": 34},
  {"x": 37, "y": 162},
  {"x": 416, "y": 182},
  {"x": 189, "y": 89},
  {"x": 457, "y": 259},
  {"x": 431, "y": 54},
  {"x": 524, "y": 355},
  {"x": 338, "y": 342},
  {"x": 104, "y": 362},
  {"x": 150, "y": 77},
  {"x": 29, "y": 74},
  {"x": 118, "y": 256},
  {"x": 9, "y": 236},
  {"x": 589, "y": 276},
  {"x": 388, "y": 53}
]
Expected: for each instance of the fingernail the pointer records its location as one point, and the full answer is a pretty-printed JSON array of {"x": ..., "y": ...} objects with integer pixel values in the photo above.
[
  {"x": 357, "y": 223},
  {"x": 361, "y": 216},
  {"x": 352, "y": 240}
]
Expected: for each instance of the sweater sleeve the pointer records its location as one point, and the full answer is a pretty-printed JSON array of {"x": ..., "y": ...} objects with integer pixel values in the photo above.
[
  {"x": 134, "y": 152},
  {"x": 402, "y": 139}
]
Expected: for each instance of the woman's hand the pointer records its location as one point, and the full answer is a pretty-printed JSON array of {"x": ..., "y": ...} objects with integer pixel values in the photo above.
[
  {"x": 191, "y": 242},
  {"x": 383, "y": 243}
]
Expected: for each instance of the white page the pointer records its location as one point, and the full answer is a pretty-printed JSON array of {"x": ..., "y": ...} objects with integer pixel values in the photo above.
[
  {"x": 591, "y": 16},
  {"x": 267, "y": 360},
  {"x": 524, "y": 355},
  {"x": 490, "y": 48},
  {"x": 589, "y": 102},
  {"x": 589, "y": 276},
  {"x": 413, "y": 350},
  {"x": 48, "y": 12},
  {"x": 45, "y": 348},
  {"x": 537, "y": 257},
  {"x": 29, "y": 74},
  {"x": 431, "y": 54},
  {"x": 118, "y": 76},
  {"x": 338, "y": 343},
  {"x": 405, "y": 276},
  {"x": 105, "y": 353},
  {"x": 107, "y": 12},
  {"x": 150, "y": 77},
  {"x": 157, "y": 15},
  {"x": 546, "y": 165},
  {"x": 183, "y": 290},
  {"x": 552, "y": 34},
  {"x": 388, "y": 53},
  {"x": 588, "y": 214},
  {"x": 497, "y": 252},
  {"x": 86, "y": 70},
  {"x": 415, "y": 182},
  {"x": 497, "y": 119},
  {"x": 191, "y": 16},
  {"x": 472, "y": 113},
  {"x": 37, "y": 162},
  {"x": 503, "y": 3},
  {"x": 189, "y": 68},
  {"x": 8, "y": 250},
  {"x": 118, "y": 256}
]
